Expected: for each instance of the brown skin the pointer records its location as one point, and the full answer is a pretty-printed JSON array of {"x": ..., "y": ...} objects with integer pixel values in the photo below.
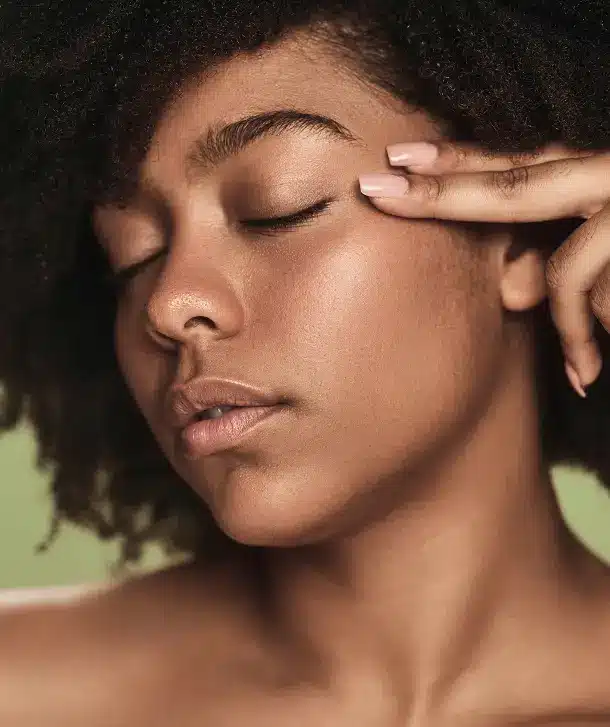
[
  {"x": 457, "y": 182},
  {"x": 435, "y": 582}
]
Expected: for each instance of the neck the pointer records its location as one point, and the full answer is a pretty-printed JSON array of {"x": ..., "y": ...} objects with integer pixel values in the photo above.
[{"x": 481, "y": 550}]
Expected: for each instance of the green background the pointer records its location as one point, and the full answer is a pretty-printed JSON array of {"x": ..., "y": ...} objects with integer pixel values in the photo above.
[{"x": 77, "y": 557}]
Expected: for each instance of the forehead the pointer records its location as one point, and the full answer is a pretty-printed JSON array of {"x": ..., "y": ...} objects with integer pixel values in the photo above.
[{"x": 298, "y": 73}]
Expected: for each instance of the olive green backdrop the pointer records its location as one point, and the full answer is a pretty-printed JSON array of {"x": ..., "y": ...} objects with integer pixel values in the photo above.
[{"x": 77, "y": 557}]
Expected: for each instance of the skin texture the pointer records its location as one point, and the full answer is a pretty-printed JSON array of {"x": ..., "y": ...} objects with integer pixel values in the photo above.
[
  {"x": 459, "y": 183},
  {"x": 435, "y": 582}
]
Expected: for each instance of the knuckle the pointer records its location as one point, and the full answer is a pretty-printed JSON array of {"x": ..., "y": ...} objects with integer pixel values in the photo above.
[
  {"x": 459, "y": 156},
  {"x": 555, "y": 273},
  {"x": 535, "y": 155},
  {"x": 526, "y": 157},
  {"x": 600, "y": 300},
  {"x": 509, "y": 183},
  {"x": 433, "y": 188},
  {"x": 580, "y": 240}
]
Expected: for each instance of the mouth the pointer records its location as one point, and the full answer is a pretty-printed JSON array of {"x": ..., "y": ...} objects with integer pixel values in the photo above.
[
  {"x": 216, "y": 412},
  {"x": 222, "y": 427}
]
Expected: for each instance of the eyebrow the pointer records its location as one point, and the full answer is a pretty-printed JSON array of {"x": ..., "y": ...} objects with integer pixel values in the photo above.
[{"x": 220, "y": 143}]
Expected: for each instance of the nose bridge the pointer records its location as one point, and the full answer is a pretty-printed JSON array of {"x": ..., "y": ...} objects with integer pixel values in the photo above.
[{"x": 195, "y": 290}]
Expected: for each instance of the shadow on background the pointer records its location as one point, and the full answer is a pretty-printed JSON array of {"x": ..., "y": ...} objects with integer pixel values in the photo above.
[{"x": 78, "y": 557}]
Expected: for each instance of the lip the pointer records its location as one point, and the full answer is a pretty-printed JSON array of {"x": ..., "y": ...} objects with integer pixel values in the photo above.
[
  {"x": 188, "y": 400},
  {"x": 203, "y": 437}
]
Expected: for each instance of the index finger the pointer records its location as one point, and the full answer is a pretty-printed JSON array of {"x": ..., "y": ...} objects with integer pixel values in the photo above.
[{"x": 553, "y": 190}]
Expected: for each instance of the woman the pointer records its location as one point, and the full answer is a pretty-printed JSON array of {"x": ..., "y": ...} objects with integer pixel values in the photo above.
[{"x": 371, "y": 530}]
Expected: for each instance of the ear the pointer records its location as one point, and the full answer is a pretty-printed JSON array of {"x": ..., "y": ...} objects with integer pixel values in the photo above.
[
  {"x": 523, "y": 282},
  {"x": 523, "y": 275}
]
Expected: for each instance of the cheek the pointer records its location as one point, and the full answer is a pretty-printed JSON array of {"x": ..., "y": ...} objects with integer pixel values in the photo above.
[
  {"x": 393, "y": 302},
  {"x": 138, "y": 367},
  {"x": 392, "y": 337},
  {"x": 400, "y": 328}
]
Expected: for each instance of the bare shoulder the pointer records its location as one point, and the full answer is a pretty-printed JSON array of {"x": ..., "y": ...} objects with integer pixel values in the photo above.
[
  {"x": 131, "y": 648},
  {"x": 122, "y": 607},
  {"x": 33, "y": 620},
  {"x": 45, "y": 634},
  {"x": 14, "y": 598}
]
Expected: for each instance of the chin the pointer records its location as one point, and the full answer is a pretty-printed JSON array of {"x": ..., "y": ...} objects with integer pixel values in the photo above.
[
  {"x": 265, "y": 527},
  {"x": 258, "y": 509}
]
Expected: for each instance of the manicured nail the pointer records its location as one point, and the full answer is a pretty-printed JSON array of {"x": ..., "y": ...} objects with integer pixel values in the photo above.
[
  {"x": 575, "y": 380},
  {"x": 383, "y": 185},
  {"x": 412, "y": 154},
  {"x": 589, "y": 363}
]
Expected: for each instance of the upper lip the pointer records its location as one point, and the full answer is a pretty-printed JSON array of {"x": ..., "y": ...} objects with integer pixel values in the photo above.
[{"x": 191, "y": 398}]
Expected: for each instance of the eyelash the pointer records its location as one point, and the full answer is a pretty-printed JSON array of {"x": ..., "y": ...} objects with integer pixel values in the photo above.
[
  {"x": 293, "y": 220},
  {"x": 120, "y": 278}
]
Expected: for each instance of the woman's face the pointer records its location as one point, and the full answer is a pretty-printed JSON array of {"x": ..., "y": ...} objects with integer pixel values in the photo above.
[{"x": 382, "y": 333}]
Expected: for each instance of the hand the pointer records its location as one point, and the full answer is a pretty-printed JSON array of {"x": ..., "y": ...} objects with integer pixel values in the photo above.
[{"x": 463, "y": 182}]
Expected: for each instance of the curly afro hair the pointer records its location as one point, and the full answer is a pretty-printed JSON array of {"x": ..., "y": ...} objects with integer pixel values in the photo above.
[{"x": 82, "y": 86}]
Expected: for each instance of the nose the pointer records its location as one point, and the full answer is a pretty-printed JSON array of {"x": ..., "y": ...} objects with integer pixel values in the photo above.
[{"x": 192, "y": 300}]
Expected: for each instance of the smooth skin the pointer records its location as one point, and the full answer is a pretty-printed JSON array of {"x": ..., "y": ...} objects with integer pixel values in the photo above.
[
  {"x": 462, "y": 182},
  {"x": 419, "y": 571}
]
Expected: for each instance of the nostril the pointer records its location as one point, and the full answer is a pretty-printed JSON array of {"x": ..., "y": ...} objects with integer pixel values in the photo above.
[{"x": 200, "y": 320}]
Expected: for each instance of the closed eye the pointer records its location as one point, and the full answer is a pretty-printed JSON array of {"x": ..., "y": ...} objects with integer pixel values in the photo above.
[
  {"x": 119, "y": 279},
  {"x": 294, "y": 220}
]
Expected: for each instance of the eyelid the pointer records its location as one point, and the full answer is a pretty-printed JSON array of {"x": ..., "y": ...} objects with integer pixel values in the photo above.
[
  {"x": 293, "y": 219},
  {"x": 121, "y": 277}
]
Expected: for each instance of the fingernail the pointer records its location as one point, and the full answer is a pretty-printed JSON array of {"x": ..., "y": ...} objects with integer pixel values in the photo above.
[
  {"x": 383, "y": 185},
  {"x": 589, "y": 363},
  {"x": 574, "y": 380},
  {"x": 413, "y": 153}
]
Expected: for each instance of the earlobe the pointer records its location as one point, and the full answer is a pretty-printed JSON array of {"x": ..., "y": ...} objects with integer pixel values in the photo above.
[
  {"x": 524, "y": 259},
  {"x": 523, "y": 284}
]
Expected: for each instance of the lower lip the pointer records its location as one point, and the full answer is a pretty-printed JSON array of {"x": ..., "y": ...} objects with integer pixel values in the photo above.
[{"x": 207, "y": 436}]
